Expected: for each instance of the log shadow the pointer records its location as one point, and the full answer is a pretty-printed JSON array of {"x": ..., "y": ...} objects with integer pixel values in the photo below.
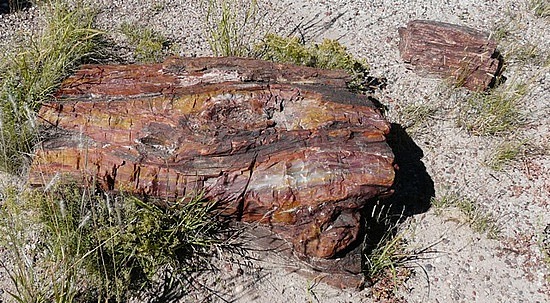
[
  {"x": 413, "y": 187},
  {"x": 498, "y": 78},
  {"x": 413, "y": 190},
  {"x": 11, "y": 6}
]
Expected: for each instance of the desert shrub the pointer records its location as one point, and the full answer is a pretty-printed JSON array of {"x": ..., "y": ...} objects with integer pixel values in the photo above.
[
  {"x": 329, "y": 54},
  {"x": 232, "y": 30},
  {"x": 231, "y": 26},
  {"x": 149, "y": 46},
  {"x": 139, "y": 246},
  {"x": 98, "y": 246},
  {"x": 33, "y": 74}
]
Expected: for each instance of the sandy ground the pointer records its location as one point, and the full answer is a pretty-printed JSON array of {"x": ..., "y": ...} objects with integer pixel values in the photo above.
[{"x": 462, "y": 265}]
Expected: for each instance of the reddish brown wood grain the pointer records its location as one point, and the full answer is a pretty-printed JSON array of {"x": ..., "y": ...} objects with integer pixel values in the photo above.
[
  {"x": 282, "y": 145},
  {"x": 465, "y": 55}
]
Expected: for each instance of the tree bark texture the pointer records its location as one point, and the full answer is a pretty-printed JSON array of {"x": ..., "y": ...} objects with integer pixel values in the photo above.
[
  {"x": 465, "y": 55},
  {"x": 283, "y": 145}
]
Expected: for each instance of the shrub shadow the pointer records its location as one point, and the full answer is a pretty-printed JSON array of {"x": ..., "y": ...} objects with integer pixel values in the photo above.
[
  {"x": 315, "y": 27},
  {"x": 11, "y": 6}
]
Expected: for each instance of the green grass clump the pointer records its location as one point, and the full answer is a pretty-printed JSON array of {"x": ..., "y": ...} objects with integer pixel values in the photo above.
[
  {"x": 493, "y": 113},
  {"x": 385, "y": 253},
  {"x": 33, "y": 74},
  {"x": 149, "y": 46},
  {"x": 63, "y": 239},
  {"x": 388, "y": 255},
  {"x": 480, "y": 221},
  {"x": 20, "y": 252},
  {"x": 43, "y": 245},
  {"x": 97, "y": 247},
  {"x": 142, "y": 246},
  {"x": 504, "y": 153},
  {"x": 329, "y": 54},
  {"x": 414, "y": 115},
  {"x": 540, "y": 8},
  {"x": 231, "y": 26}
]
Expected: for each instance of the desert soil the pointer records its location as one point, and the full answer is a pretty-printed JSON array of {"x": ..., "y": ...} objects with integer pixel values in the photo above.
[{"x": 459, "y": 263}]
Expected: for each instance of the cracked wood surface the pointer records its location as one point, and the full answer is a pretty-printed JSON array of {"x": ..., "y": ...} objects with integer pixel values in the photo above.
[
  {"x": 467, "y": 56},
  {"x": 286, "y": 146}
]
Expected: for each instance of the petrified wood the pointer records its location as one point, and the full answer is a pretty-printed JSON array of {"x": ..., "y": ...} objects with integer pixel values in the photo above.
[
  {"x": 283, "y": 145},
  {"x": 467, "y": 56}
]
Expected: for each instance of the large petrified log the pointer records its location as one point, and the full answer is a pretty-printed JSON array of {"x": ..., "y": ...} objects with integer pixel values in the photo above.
[
  {"x": 467, "y": 56},
  {"x": 283, "y": 145}
]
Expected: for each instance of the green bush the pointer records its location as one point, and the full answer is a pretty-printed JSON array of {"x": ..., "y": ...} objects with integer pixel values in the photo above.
[
  {"x": 33, "y": 74},
  {"x": 96, "y": 246},
  {"x": 135, "y": 242},
  {"x": 149, "y": 46},
  {"x": 329, "y": 54}
]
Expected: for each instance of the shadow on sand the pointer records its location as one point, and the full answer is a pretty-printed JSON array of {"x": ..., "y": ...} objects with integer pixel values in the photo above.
[
  {"x": 413, "y": 186},
  {"x": 413, "y": 190},
  {"x": 10, "y": 6}
]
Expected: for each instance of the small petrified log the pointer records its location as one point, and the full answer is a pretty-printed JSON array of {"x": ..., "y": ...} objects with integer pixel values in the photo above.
[
  {"x": 463, "y": 54},
  {"x": 283, "y": 145}
]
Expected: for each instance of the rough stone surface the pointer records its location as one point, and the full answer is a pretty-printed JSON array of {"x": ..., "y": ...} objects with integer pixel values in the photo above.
[
  {"x": 283, "y": 145},
  {"x": 461, "y": 53}
]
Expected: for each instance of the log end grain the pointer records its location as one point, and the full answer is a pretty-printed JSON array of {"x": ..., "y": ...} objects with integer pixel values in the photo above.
[{"x": 465, "y": 55}]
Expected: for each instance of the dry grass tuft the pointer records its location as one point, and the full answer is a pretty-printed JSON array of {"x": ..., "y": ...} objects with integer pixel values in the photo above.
[
  {"x": 479, "y": 220},
  {"x": 148, "y": 46},
  {"x": 32, "y": 75},
  {"x": 495, "y": 112}
]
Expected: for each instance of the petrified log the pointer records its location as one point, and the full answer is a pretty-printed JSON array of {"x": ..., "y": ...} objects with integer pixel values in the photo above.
[
  {"x": 461, "y": 53},
  {"x": 283, "y": 145}
]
